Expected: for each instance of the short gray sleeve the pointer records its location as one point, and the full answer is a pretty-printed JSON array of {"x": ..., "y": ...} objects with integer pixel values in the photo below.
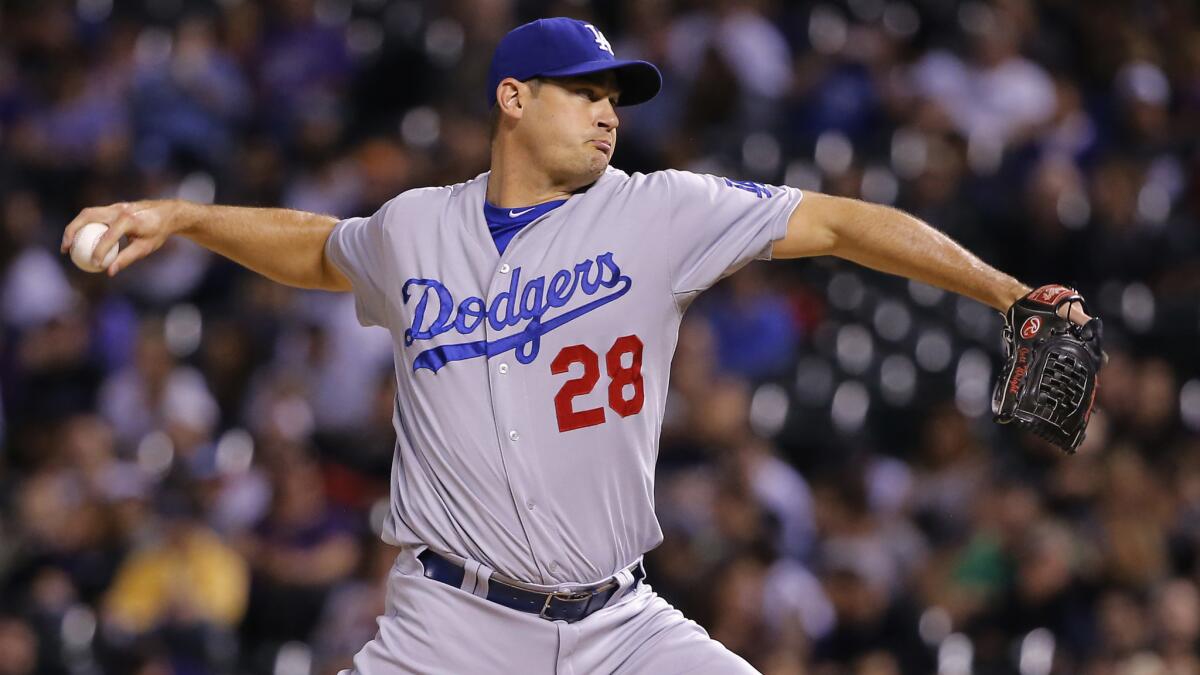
[
  {"x": 358, "y": 247},
  {"x": 717, "y": 225}
]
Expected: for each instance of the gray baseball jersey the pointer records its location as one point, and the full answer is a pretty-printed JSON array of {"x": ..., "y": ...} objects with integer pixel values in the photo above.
[{"x": 531, "y": 384}]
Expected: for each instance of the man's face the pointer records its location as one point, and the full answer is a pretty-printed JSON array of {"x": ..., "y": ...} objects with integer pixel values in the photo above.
[{"x": 570, "y": 126}]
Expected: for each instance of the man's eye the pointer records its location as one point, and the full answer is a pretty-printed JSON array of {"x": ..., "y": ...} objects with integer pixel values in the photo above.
[{"x": 587, "y": 93}]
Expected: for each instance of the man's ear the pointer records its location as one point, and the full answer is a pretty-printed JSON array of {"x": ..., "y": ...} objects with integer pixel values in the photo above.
[{"x": 510, "y": 96}]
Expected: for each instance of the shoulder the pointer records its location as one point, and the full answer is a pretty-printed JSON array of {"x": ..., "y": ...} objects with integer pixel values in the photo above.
[
  {"x": 424, "y": 200},
  {"x": 676, "y": 178},
  {"x": 617, "y": 179},
  {"x": 669, "y": 188},
  {"x": 468, "y": 189},
  {"x": 426, "y": 196}
]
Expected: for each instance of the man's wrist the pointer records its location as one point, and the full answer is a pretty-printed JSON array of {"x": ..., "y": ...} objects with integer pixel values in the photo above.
[
  {"x": 1072, "y": 311},
  {"x": 183, "y": 216},
  {"x": 1012, "y": 292}
]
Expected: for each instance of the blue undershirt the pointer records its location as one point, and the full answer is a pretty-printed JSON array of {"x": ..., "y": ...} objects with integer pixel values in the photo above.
[{"x": 504, "y": 225}]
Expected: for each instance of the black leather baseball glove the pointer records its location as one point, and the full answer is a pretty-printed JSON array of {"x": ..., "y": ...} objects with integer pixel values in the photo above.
[{"x": 1048, "y": 384}]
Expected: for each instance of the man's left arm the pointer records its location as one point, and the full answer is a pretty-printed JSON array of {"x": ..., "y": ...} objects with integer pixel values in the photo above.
[{"x": 889, "y": 240}]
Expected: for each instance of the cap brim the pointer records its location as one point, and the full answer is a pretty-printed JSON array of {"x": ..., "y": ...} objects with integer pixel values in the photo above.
[{"x": 639, "y": 81}]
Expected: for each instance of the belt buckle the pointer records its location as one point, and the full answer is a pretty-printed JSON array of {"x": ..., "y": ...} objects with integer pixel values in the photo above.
[{"x": 566, "y": 596}]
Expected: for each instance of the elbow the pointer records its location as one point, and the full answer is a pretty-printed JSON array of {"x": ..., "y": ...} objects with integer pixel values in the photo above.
[
  {"x": 841, "y": 225},
  {"x": 826, "y": 241}
]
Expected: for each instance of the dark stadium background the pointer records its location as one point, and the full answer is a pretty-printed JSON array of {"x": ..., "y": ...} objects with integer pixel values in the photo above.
[{"x": 194, "y": 461}]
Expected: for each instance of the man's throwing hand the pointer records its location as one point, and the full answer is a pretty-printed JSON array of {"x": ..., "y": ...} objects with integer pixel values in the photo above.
[{"x": 146, "y": 225}]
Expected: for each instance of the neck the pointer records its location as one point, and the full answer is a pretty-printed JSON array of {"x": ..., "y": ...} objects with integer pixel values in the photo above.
[{"x": 516, "y": 179}]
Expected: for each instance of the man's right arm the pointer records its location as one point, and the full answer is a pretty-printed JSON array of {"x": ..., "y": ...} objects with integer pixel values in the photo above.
[{"x": 281, "y": 244}]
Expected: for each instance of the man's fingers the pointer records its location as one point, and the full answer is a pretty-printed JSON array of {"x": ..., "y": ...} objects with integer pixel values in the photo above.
[
  {"x": 117, "y": 227},
  {"x": 94, "y": 214},
  {"x": 136, "y": 250},
  {"x": 1073, "y": 312},
  {"x": 140, "y": 222}
]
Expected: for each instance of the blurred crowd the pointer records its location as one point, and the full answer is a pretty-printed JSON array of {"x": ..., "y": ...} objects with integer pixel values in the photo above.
[{"x": 194, "y": 461}]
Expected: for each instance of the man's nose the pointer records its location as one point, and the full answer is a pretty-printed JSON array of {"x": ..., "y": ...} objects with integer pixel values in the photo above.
[{"x": 608, "y": 116}]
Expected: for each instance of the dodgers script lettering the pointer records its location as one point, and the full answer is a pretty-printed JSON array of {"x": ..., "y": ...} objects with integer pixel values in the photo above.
[{"x": 437, "y": 311}]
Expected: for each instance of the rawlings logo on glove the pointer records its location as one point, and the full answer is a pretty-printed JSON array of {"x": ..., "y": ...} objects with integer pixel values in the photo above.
[{"x": 1049, "y": 381}]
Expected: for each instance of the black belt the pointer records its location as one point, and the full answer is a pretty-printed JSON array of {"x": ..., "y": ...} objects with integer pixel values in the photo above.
[{"x": 569, "y": 606}]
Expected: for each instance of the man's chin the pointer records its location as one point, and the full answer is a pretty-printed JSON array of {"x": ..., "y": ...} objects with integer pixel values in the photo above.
[
  {"x": 586, "y": 176},
  {"x": 599, "y": 168}
]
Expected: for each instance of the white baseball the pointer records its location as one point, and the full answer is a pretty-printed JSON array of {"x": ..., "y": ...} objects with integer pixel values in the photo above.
[{"x": 85, "y": 244}]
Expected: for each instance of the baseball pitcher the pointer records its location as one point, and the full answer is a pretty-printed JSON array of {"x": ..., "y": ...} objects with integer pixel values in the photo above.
[{"x": 534, "y": 311}]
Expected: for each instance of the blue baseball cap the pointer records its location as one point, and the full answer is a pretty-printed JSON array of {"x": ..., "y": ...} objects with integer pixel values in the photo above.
[{"x": 562, "y": 47}]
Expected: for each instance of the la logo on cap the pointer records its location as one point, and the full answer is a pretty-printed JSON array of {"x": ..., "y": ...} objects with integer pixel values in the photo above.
[
  {"x": 563, "y": 47},
  {"x": 600, "y": 39}
]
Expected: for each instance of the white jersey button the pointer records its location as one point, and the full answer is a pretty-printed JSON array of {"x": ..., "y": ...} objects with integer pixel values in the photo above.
[
  {"x": 530, "y": 504},
  {"x": 513, "y": 435},
  {"x": 504, "y": 268},
  {"x": 503, "y": 368}
]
